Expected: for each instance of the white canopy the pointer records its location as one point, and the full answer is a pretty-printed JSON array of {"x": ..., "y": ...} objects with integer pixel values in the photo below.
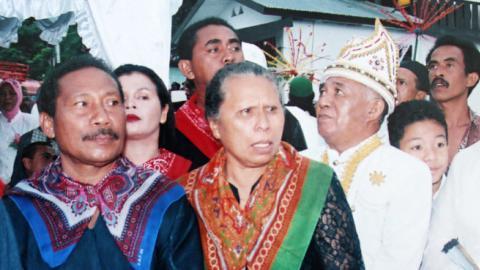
[{"x": 118, "y": 31}]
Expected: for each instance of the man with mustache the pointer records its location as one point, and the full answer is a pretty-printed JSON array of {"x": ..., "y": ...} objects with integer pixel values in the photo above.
[
  {"x": 388, "y": 191},
  {"x": 454, "y": 69},
  {"x": 92, "y": 208},
  {"x": 204, "y": 48}
]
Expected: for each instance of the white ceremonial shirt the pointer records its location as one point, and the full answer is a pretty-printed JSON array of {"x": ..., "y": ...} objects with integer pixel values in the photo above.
[
  {"x": 20, "y": 124},
  {"x": 456, "y": 211},
  {"x": 383, "y": 132},
  {"x": 390, "y": 196}
]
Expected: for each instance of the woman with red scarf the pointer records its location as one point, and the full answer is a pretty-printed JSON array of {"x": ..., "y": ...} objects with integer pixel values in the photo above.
[{"x": 150, "y": 121}]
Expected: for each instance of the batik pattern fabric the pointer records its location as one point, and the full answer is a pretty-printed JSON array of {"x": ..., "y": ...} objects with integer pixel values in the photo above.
[
  {"x": 131, "y": 200},
  {"x": 168, "y": 163},
  {"x": 472, "y": 135},
  {"x": 190, "y": 121},
  {"x": 275, "y": 227}
]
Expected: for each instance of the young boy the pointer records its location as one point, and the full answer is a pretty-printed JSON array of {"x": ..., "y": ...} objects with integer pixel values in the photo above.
[{"x": 419, "y": 128}]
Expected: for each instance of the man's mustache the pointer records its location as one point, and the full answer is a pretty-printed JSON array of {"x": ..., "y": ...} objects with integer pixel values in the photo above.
[
  {"x": 102, "y": 131},
  {"x": 439, "y": 80}
]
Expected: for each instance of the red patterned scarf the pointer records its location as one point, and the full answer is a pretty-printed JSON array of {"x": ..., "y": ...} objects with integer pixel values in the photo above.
[
  {"x": 190, "y": 120},
  {"x": 168, "y": 164},
  {"x": 58, "y": 209}
]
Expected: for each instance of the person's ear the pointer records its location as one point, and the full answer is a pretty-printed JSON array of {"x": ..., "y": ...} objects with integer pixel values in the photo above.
[
  {"x": 472, "y": 79},
  {"x": 214, "y": 127},
  {"x": 27, "y": 164},
  {"x": 376, "y": 109},
  {"x": 420, "y": 95},
  {"x": 164, "y": 114},
  {"x": 185, "y": 66},
  {"x": 47, "y": 125}
]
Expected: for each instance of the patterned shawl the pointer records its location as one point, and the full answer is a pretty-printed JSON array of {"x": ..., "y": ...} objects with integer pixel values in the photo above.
[
  {"x": 168, "y": 163},
  {"x": 190, "y": 120},
  {"x": 131, "y": 200},
  {"x": 275, "y": 227}
]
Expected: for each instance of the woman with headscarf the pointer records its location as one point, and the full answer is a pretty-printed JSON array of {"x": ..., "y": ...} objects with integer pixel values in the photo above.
[
  {"x": 150, "y": 121},
  {"x": 13, "y": 124}
]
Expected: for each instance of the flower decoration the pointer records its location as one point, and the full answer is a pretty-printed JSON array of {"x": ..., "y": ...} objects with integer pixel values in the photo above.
[{"x": 298, "y": 62}]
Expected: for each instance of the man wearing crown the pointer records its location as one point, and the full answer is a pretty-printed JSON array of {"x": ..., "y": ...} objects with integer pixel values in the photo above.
[{"x": 389, "y": 191}]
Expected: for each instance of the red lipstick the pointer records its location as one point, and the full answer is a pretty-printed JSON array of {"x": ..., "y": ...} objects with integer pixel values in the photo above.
[{"x": 132, "y": 118}]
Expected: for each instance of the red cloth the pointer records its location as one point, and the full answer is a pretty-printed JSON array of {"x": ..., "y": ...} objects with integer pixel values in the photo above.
[
  {"x": 2, "y": 188},
  {"x": 169, "y": 164},
  {"x": 190, "y": 120}
]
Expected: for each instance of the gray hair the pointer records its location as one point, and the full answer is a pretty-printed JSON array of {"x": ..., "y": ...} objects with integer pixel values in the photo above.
[{"x": 215, "y": 92}]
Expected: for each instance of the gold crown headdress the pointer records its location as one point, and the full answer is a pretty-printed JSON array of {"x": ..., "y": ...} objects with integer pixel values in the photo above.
[{"x": 373, "y": 62}]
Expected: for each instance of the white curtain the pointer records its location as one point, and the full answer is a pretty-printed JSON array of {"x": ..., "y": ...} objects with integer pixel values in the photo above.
[{"x": 118, "y": 31}]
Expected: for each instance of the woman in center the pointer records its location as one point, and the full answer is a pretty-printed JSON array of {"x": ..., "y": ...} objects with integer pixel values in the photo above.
[
  {"x": 150, "y": 121},
  {"x": 260, "y": 204}
]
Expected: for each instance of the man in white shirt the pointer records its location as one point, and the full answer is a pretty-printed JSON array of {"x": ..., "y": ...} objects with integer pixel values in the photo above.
[
  {"x": 389, "y": 191},
  {"x": 455, "y": 215},
  {"x": 13, "y": 123}
]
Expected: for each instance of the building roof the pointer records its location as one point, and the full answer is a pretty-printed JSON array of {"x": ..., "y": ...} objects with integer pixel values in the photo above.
[{"x": 350, "y": 8}]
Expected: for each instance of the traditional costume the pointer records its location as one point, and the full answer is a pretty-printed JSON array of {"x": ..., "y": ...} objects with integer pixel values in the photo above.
[
  {"x": 296, "y": 217},
  {"x": 9, "y": 258},
  {"x": 456, "y": 214},
  {"x": 389, "y": 191},
  {"x": 195, "y": 141},
  {"x": 145, "y": 221},
  {"x": 168, "y": 164},
  {"x": 13, "y": 124}
]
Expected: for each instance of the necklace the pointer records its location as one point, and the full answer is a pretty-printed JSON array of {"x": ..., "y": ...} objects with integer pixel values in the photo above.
[{"x": 352, "y": 164}]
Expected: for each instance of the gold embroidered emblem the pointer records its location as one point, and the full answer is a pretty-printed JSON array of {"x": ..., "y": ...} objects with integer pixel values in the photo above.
[
  {"x": 355, "y": 160},
  {"x": 377, "y": 178}
]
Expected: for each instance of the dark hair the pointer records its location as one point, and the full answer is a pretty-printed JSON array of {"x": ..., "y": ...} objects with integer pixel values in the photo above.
[
  {"x": 29, "y": 150},
  {"x": 167, "y": 129},
  {"x": 420, "y": 72},
  {"x": 410, "y": 112},
  {"x": 48, "y": 93},
  {"x": 189, "y": 37},
  {"x": 471, "y": 55},
  {"x": 215, "y": 94}
]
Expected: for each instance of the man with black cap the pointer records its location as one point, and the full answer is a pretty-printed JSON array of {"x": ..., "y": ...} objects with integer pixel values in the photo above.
[{"x": 412, "y": 81}]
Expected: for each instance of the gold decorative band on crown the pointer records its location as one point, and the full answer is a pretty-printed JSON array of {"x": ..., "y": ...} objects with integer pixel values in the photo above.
[{"x": 356, "y": 69}]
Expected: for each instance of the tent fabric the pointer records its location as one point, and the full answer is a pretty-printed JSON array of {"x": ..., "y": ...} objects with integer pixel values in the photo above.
[
  {"x": 8, "y": 31},
  {"x": 118, "y": 31},
  {"x": 38, "y": 9},
  {"x": 55, "y": 29}
]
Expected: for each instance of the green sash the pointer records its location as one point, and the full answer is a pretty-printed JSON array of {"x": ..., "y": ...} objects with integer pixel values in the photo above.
[{"x": 300, "y": 233}]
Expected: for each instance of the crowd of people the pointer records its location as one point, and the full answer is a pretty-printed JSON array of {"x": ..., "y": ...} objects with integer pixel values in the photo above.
[{"x": 379, "y": 173}]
